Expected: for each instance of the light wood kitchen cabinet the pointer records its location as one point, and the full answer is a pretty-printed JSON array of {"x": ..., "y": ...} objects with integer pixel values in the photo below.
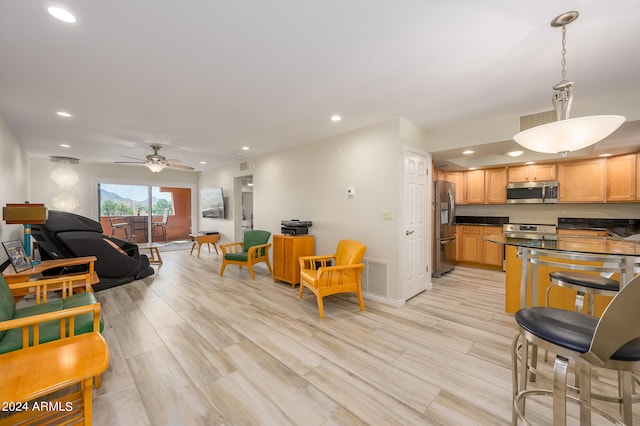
[
  {"x": 492, "y": 253},
  {"x": 459, "y": 179},
  {"x": 474, "y": 187},
  {"x": 470, "y": 243},
  {"x": 582, "y": 181},
  {"x": 439, "y": 175},
  {"x": 495, "y": 186},
  {"x": 286, "y": 251},
  {"x": 583, "y": 232},
  {"x": 532, "y": 173},
  {"x": 622, "y": 178}
]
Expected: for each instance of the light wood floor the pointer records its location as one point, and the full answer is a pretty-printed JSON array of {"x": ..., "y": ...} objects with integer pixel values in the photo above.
[{"x": 189, "y": 347}]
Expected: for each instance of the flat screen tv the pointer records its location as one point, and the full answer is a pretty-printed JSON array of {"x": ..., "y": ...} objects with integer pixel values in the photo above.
[{"x": 212, "y": 202}]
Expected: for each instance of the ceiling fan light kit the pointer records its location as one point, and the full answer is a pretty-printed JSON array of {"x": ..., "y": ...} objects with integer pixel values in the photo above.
[{"x": 565, "y": 134}]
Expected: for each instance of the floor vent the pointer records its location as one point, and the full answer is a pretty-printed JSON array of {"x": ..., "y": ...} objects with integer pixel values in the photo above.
[
  {"x": 375, "y": 277},
  {"x": 538, "y": 119}
]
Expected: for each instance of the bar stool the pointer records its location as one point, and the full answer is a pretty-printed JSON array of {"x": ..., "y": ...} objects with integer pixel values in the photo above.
[
  {"x": 584, "y": 284},
  {"x": 611, "y": 342}
]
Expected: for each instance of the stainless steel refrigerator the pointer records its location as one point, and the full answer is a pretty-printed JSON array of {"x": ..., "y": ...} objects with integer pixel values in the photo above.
[{"x": 444, "y": 229}]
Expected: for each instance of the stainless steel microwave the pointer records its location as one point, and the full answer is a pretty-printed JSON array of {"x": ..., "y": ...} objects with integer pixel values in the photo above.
[{"x": 532, "y": 192}]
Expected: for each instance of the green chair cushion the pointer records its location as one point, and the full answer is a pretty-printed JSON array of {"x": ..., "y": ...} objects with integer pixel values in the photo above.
[
  {"x": 7, "y": 303},
  {"x": 50, "y": 330},
  {"x": 242, "y": 257}
]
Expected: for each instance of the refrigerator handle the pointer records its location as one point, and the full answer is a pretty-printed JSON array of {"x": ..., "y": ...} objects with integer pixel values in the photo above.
[{"x": 452, "y": 208}]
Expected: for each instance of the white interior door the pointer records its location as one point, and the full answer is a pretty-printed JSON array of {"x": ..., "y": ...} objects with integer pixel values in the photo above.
[{"x": 414, "y": 233}]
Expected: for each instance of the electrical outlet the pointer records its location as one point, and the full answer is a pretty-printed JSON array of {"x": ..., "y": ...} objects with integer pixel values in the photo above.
[
  {"x": 351, "y": 191},
  {"x": 387, "y": 214}
]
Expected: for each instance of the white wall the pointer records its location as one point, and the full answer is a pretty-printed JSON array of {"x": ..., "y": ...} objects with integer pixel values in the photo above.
[
  {"x": 309, "y": 182},
  {"x": 44, "y": 189},
  {"x": 14, "y": 178}
]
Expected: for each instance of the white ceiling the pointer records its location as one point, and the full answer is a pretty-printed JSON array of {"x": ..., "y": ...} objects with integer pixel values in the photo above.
[{"x": 205, "y": 77}]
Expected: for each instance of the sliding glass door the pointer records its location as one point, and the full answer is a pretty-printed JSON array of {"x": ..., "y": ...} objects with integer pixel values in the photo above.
[{"x": 145, "y": 213}]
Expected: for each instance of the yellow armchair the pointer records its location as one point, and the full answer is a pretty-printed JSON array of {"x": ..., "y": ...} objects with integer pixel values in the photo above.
[
  {"x": 343, "y": 277},
  {"x": 254, "y": 249}
]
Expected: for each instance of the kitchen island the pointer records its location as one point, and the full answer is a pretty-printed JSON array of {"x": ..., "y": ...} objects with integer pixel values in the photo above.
[{"x": 529, "y": 261}]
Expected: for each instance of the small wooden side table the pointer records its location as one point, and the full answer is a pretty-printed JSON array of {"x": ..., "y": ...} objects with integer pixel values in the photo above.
[
  {"x": 154, "y": 253},
  {"x": 40, "y": 370},
  {"x": 201, "y": 239}
]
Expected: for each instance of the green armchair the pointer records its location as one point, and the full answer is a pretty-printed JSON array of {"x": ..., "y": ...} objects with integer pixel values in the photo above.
[{"x": 254, "y": 249}]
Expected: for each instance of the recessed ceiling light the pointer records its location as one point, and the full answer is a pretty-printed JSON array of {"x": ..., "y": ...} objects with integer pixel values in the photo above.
[
  {"x": 245, "y": 148},
  {"x": 605, "y": 155},
  {"x": 515, "y": 153},
  {"x": 64, "y": 145},
  {"x": 468, "y": 152},
  {"x": 203, "y": 162},
  {"x": 473, "y": 168},
  {"x": 336, "y": 118},
  {"x": 64, "y": 114},
  {"x": 62, "y": 14},
  {"x": 528, "y": 163},
  {"x": 250, "y": 184}
]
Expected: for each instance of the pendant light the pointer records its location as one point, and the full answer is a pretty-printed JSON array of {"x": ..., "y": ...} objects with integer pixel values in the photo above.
[{"x": 567, "y": 134}]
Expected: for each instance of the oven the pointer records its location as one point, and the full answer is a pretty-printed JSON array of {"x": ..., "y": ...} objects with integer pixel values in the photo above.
[{"x": 529, "y": 231}]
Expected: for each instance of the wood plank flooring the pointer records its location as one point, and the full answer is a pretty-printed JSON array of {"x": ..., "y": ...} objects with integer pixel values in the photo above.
[{"x": 190, "y": 347}]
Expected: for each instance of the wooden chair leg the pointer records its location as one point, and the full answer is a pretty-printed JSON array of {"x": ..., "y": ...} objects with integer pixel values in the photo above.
[
  {"x": 253, "y": 276},
  {"x": 360, "y": 299},
  {"x": 320, "y": 306},
  {"x": 86, "y": 402},
  {"x": 268, "y": 265},
  {"x": 224, "y": 265},
  {"x": 301, "y": 289}
]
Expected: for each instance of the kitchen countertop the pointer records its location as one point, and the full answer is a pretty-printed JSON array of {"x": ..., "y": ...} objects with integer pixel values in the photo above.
[{"x": 615, "y": 227}]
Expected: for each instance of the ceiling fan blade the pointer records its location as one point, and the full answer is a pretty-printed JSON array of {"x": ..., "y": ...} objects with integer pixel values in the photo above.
[
  {"x": 179, "y": 166},
  {"x": 134, "y": 158},
  {"x": 130, "y": 162},
  {"x": 174, "y": 161}
]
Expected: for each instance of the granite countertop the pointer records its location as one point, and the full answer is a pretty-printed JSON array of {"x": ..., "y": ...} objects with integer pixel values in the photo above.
[
  {"x": 615, "y": 227},
  {"x": 482, "y": 220}
]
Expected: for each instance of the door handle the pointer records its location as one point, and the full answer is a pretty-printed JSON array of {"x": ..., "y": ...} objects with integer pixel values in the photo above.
[{"x": 408, "y": 232}]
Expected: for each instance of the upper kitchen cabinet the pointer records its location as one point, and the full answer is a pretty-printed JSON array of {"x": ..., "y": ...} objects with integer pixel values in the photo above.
[
  {"x": 495, "y": 186},
  {"x": 581, "y": 181},
  {"x": 532, "y": 173},
  {"x": 459, "y": 179},
  {"x": 622, "y": 178},
  {"x": 475, "y": 187}
]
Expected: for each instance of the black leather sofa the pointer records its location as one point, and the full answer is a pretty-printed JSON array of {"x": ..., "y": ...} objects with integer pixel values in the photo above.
[{"x": 66, "y": 235}]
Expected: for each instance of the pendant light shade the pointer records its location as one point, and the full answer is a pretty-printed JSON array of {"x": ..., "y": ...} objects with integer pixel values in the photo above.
[
  {"x": 570, "y": 134},
  {"x": 567, "y": 134}
]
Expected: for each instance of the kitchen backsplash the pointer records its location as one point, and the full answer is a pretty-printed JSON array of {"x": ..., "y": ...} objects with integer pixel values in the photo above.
[{"x": 550, "y": 213}]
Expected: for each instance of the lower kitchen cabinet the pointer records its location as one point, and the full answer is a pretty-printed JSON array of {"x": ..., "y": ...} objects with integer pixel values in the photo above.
[
  {"x": 473, "y": 249},
  {"x": 286, "y": 251}
]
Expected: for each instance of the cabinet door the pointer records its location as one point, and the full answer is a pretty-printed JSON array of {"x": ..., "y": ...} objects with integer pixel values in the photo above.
[
  {"x": 475, "y": 187},
  {"x": 492, "y": 253},
  {"x": 621, "y": 178},
  {"x": 581, "y": 181},
  {"x": 495, "y": 186},
  {"x": 458, "y": 179},
  {"x": 471, "y": 248},
  {"x": 517, "y": 174},
  {"x": 637, "y": 176},
  {"x": 543, "y": 171}
]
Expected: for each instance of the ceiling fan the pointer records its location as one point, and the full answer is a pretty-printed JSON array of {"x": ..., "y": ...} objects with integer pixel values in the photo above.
[{"x": 156, "y": 162}]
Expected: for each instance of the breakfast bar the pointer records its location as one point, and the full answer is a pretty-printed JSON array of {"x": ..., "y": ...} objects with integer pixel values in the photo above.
[{"x": 529, "y": 261}]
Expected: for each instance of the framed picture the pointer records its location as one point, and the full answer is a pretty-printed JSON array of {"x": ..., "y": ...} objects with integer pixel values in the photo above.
[{"x": 17, "y": 255}]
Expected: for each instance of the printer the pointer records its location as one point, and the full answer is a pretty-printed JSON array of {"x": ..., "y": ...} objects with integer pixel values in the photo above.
[{"x": 295, "y": 227}]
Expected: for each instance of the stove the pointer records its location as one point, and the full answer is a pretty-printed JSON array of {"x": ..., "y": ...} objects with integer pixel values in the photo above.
[{"x": 529, "y": 231}]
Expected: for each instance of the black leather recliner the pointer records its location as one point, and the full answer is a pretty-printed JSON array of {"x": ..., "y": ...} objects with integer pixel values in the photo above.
[{"x": 66, "y": 235}]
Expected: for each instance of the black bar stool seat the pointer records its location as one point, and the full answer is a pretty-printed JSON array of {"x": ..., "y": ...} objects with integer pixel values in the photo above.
[{"x": 583, "y": 283}]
